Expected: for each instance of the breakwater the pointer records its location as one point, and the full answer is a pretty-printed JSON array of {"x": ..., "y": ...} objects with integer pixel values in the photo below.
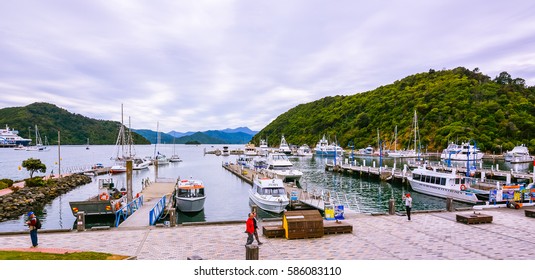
[{"x": 26, "y": 199}]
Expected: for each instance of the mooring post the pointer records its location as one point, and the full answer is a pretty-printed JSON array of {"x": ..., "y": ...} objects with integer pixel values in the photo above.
[
  {"x": 80, "y": 217},
  {"x": 251, "y": 252},
  {"x": 449, "y": 204},
  {"x": 392, "y": 206},
  {"x": 172, "y": 217}
]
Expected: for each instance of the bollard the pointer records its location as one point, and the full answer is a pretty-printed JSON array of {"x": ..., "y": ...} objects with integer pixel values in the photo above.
[
  {"x": 172, "y": 217},
  {"x": 449, "y": 204},
  {"x": 80, "y": 217},
  {"x": 251, "y": 252},
  {"x": 392, "y": 206},
  {"x": 253, "y": 208}
]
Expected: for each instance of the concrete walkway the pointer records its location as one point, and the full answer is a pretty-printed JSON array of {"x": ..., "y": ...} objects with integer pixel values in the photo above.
[{"x": 429, "y": 236}]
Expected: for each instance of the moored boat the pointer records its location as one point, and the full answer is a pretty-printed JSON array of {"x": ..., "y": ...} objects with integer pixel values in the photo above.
[
  {"x": 190, "y": 195},
  {"x": 108, "y": 200},
  {"x": 284, "y": 147},
  {"x": 279, "y": 166},
  {"x": 269, "y": 194},
  {"x": 323, "y": 148},
  {"x": 10, "y": 138},
  {"x": 304, "y": 150},
  {"x": 463, "y": 152},
  {"x": 518, "y": 154}
]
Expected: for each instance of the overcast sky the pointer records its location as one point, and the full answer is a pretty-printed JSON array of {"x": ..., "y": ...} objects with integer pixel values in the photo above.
[{"x": 199, "y": 65}]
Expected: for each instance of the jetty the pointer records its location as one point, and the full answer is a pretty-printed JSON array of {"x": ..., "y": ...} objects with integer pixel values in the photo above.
[{"x": 157, "y": 196}]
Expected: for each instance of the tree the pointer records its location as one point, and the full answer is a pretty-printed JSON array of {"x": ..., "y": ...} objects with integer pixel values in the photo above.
[{"x": 33, "y": 165}]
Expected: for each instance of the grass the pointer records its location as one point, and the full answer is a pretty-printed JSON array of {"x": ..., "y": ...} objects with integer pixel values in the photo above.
[{"x": 18, "y": 255}]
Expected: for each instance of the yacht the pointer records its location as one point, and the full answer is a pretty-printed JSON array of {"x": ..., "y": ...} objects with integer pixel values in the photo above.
[
  {"x": 445, "y": 185},
  {"x": 10, "y": 137},
  {"x": 323, "y": 148},
  {"x": 284, "y": 147},
  {"x": 269, "y": 194},
  {"x": 463, "y": 152},
  {"x": 263, "y": 148},
  {"x": 250, "y": 150},
  {"x": 279, "y": 166},
  {"x": 519, "y": 154},
  {"x": 161, "y": 159},
  {"x": 304, "y": 150},
  {"x": 190, "y": 195},
  {"x": 140, "y": 163}
]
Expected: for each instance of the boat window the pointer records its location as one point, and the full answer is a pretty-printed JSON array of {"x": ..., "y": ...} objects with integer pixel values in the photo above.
[
  {"x": 416, "y": 177},
  {"x": 462, "y": 181},
  {"x": 427, "y": 179},
  {"x": 456, "y": 181},
  {"x": 443, "y": 181}
]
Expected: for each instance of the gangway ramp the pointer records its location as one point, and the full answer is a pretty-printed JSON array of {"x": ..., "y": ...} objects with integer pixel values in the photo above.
[{"x": 152, "y": 194}]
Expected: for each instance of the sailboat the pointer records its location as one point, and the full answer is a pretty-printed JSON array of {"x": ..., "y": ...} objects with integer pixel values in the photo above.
[
  {"x": 159, "y": 158},
  {"x": 38, "y": 143},
  {"x": 87, "y": 147},
  {"x": 174, "y": 157},
  {"x": 409, "y": 153},
  {"x": 122, "y": 154}
]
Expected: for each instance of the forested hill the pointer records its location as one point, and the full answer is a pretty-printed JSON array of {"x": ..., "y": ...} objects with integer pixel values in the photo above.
[
  {"x": 75, "y": 129},
  {"x": 452, "y": 105}
]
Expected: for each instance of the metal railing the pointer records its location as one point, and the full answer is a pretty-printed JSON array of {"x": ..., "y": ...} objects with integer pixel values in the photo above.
[
  {"x": 157, "y": 211},
  {"x": 128, "y": 210}
]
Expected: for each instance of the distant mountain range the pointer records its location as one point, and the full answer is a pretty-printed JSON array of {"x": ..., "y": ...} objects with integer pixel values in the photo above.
[{"x": 240, "y": 135}]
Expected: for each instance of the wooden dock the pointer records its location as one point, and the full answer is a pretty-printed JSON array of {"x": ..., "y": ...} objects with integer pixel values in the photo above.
[{"x": 152, "y": 193}]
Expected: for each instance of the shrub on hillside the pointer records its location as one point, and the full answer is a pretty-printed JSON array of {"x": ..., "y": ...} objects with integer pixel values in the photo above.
[{"x": 34, "y": 182}]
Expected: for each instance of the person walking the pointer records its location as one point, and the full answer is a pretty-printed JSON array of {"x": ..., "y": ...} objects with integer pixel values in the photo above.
[
  {"x": 249, "y": 229},
  {"x": 408, "y": 204},
  {"x": 32, "y": 224},
  {"x": 255, "y": 223}
]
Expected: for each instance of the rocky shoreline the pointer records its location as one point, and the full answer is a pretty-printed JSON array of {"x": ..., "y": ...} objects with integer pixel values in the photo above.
[{"x": 27, "y": 199}]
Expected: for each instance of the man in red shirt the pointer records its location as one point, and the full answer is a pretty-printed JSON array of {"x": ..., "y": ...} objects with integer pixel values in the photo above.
[
  {"x": 249, "y": 229},
  {"x": 32, "y": 224}
]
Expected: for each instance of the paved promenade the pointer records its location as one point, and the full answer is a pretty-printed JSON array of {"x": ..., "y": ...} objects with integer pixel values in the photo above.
[{"x": 429, "y": 236}]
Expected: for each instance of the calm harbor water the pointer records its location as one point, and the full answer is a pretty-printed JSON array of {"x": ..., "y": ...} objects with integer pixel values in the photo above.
[{"x": 227, "y": 195}]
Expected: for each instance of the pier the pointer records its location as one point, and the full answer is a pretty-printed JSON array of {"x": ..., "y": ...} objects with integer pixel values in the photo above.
[{"x": 154, "y": 193}]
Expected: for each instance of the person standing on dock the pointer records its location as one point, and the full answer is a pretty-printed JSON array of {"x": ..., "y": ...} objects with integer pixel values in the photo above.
[
  {"x": 408, "y": 204},
  {"x": 255, "y": 222},
  {"x": 32, "y": 224},
  {"x": 249, "y": 229}
]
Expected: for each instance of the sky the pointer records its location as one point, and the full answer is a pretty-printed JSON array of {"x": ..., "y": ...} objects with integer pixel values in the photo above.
[{"x": 202, "y": 65}]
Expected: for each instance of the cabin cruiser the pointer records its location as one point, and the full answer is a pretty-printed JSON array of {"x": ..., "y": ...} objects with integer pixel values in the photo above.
[
  {"x": 190, "y": 195},
  {"x": 519, "y": 154},
  {"x": 250, "y": 150},
  {"x": 323, "y": 148},
  {"x": 263, "y": 149},
  {"x": 284, "y": 147},
  {"x": 269, "y": 194},
  {"x": 304, "y": 150},
  {"x": 279, "y": 166},
  {"x": 463, "y": 152},
  {"x": 140, "y": 163}
]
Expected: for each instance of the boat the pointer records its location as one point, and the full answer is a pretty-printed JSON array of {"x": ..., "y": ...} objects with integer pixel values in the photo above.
[
  {"x": 190, "y": 195},
  {"x": 323, "y": 148},
  {"x": 519, "y": 154},
  {"x": 104, "y": 204},
  {"x": 445, "y": 185},
  {"x": 159, "y": 158},
  {"x": 39, "y": 146},
  {"x": 87, "y": 146},
  {"x": 124, "y": 149},
  {"x": 225, "y": 151},
  {"x": 304, "y": 150},
  {"x": 174, "y": 157},
  {"x": 408, "y": 153},
  {"x": 284, "y": 147},
  {"x": 140, "y": 163},
  {"x": 462, "y": 152},
  {"x": 279, "y": 166},
  {"x": 10, "y": 138},
  {"x": 263, "y": 148},
  {"x": 250, "y": 150},
  {"x": 269, "y": 194}
]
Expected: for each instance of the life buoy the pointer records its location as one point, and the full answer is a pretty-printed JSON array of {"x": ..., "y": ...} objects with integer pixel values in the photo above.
[
  {"x": 463, "y": 187},
  {"x": 117, "y": 206},
  {"x": 104, "y": 196},
  {"x": 137, "y": 195}
]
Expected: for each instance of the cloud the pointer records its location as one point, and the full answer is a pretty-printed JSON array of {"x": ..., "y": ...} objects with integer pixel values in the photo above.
[{"x": 199, "y": 65}]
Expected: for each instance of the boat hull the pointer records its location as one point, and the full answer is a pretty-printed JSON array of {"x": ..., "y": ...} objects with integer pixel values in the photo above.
[
  {"x": 190, "y": 204},
  {"x": 268, "y": 205},
  {"x": 440, "y": 191}
]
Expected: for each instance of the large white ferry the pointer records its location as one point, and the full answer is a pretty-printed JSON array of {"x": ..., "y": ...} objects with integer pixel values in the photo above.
[
  {"x": 445, "y": 185},
  {"x": 10, "y": 138}
]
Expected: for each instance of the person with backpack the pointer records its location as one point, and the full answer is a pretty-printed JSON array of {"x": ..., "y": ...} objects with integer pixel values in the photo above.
[{"x": 34, "y": 224}]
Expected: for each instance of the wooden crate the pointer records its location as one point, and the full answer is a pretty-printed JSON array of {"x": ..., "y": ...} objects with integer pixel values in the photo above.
[
  {"x": 273, "y": 231},
  {"x": 474, "y": 218},
  {"x": 303, "y": 224},
  {"x": 334, "y": 228},
  {"x": 530, "y": 213}
]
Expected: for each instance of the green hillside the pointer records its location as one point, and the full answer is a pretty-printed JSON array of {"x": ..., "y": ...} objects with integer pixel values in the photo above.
[
  {"x": 75, "y": 128},
  {"x": 452, "y": 105}
]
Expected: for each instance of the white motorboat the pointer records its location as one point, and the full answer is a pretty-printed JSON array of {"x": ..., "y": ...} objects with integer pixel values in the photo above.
[
  {"x": 445, "y": 185},
  {"x": 175, "y": 158},
  {"x": 304, "y": 150},
  {"x": 263, "y": 148},
  {"x": 140, "y": 163},
  {"x": 279, "y": 166},
  {"x": 190, "y": 195},
  {"x": 463, "y": 152},
  {"x": 161, "y": 159},
  {"x": 323, "y": 148},
  {"x": 284, "y": 147},
  {"x": 519, "y": 154},
  {"x": 269, "y": 194},
  {"x": 250, "y": 150}
]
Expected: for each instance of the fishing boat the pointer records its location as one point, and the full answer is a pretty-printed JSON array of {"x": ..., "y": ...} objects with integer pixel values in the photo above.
[
  {"x": 284, "y": 147},
  {"x": 445, "y": 185},
  {"x": 518, "y": 154},
  {"x": 279, "y": 166},
  {"x": 269, "y": 194},
  {"x": 190, "y": 195},
  {"x": 104, "y": 204}
]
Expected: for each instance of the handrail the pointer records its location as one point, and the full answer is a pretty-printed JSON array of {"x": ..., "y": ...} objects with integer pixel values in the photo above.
[
  {"x": 128, "y": 210},
  {"x": 157, "y": 211}
]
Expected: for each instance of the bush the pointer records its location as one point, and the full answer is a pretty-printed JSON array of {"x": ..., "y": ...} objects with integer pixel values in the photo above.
[
  {"x": 34, "y": 182},
  {"x": 3, "y": 185},
  {"x": 7, "y": 182}
]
